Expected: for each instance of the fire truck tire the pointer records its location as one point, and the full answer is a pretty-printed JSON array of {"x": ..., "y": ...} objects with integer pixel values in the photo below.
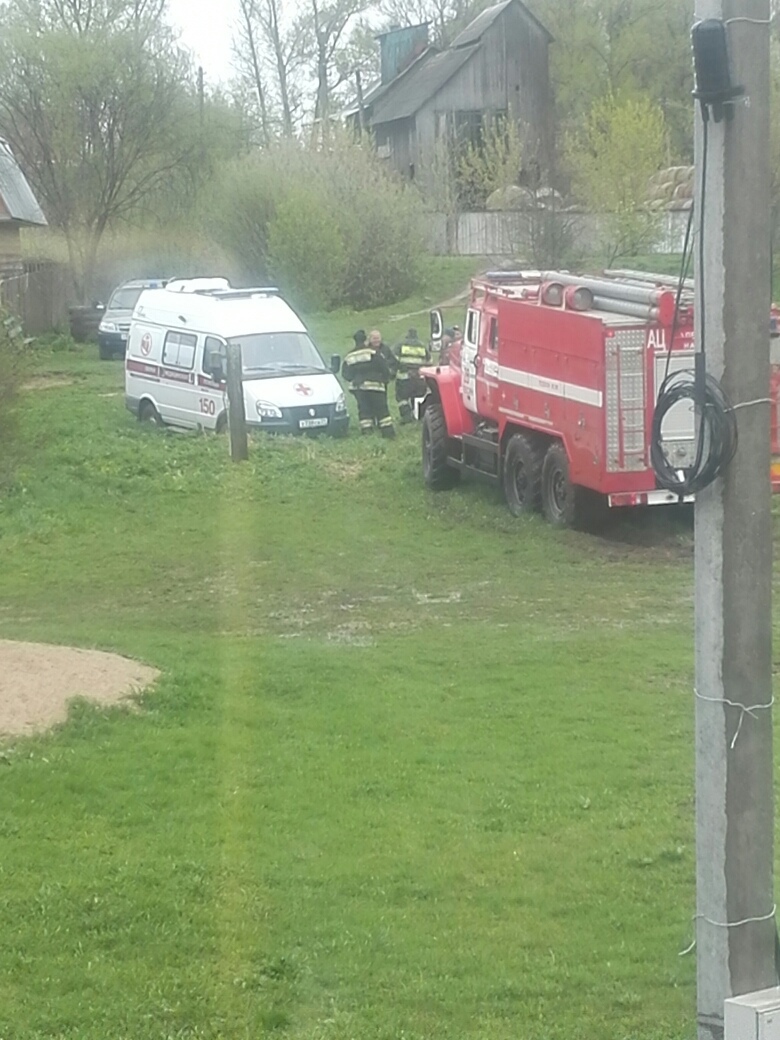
[
  {"x": 562, "y": 501},
  {"x": 523, "y": 475},
  {"x": 438, "y": 476}
]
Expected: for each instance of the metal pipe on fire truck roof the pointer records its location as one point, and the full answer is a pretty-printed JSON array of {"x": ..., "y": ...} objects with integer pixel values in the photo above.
[
  {"x": 615, "y": 290},
  {"x": 632, "y": 310},
  {"x": 647, "y": 276}
]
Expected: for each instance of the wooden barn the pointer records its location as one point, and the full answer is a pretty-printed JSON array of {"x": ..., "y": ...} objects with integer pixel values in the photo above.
[
  {"x": 18, "y": 208},
  {"x": 496, "y": 67}
]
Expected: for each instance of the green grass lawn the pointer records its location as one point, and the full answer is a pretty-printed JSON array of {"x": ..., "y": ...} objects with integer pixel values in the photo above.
[{"x": 413, "y": 769}]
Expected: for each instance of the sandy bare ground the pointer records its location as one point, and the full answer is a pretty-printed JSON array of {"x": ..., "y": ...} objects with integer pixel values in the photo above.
[{"x": 38, "y": 680}]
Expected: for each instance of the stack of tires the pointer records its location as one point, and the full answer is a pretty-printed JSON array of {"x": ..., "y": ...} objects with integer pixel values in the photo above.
[{"x": 84, "y": 323}]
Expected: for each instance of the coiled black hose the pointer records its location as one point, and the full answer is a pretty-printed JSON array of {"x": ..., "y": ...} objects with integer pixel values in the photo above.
[{"x": 716, "y": 438}]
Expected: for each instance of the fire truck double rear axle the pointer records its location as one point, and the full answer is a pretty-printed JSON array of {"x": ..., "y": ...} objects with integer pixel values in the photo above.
[{"x": 552, "y": 391}]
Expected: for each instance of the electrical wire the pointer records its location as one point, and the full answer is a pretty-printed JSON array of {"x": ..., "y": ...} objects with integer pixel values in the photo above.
[
  {"x": 751, "y": 21},
  {"x": 685, "y": 262},
  {"x": 716, "y": 433}
]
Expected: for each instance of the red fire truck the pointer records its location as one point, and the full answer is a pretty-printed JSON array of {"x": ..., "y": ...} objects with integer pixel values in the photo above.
[{"x": 551, "y": 391}]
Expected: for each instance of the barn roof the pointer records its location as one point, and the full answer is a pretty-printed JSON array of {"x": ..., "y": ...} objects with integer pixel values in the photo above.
[
  {"x": 425, "y": 78},
  {"x": 408, "y": 92},
  {"x": 476, "y": 29},
  {"x": 15, "y": 193}
]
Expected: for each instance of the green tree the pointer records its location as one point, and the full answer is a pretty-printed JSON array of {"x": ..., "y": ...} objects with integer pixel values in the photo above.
[
  {"x": 637, "y": 48},
  {"x": 97, "y": 106},
  {"x": 622, "y": 143},
  {"x": 361, "y": 226}
]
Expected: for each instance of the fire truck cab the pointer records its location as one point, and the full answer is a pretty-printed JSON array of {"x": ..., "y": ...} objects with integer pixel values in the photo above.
[{"x": 552, "y": 390}]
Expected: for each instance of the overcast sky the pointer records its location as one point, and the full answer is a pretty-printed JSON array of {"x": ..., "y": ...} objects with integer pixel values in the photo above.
[{"x": 206, "y": 28}]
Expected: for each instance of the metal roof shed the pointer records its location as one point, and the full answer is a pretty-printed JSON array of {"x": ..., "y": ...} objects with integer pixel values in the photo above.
[{"x": 17, "y": 202}]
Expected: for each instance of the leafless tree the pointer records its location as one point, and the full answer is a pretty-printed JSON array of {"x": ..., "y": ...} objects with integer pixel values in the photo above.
[
  {"x": 287, "y": 51},
  {"x": 99, "y": 121},
  {"x": 248, "y": 44},
  {"x": 328, "y": 20}
]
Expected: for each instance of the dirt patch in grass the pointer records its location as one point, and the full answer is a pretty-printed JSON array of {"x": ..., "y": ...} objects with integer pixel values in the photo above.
[
  {"x": 343, "y": 469},
  {"x": 46, "y": 382},
  {"x": 37, "y": 681}
]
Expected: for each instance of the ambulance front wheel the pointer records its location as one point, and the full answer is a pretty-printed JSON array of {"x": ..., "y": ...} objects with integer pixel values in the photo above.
[
  {"x": 221, "y": 423},
  {"x": 147, "y": 413}
]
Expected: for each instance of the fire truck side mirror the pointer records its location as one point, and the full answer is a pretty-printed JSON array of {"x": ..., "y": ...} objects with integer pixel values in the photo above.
[{"x": 436, "y": 326}]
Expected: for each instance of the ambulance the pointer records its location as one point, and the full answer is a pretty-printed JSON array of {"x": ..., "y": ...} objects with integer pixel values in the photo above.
[{"x": 176, "y": 361}]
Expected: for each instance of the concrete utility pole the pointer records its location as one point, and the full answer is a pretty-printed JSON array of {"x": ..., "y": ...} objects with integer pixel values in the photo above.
[
  {"x": 734, "y": 804},
  {"x": 239, "y": 448}
]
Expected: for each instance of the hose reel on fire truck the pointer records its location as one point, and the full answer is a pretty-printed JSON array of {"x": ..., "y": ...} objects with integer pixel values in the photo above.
[{"x": 716, "y": 426}]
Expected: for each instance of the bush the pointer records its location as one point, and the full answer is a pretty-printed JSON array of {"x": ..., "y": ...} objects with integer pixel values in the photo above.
[
  {"x": 306, "y": 251},
  {"x": 328, "y": 223}
]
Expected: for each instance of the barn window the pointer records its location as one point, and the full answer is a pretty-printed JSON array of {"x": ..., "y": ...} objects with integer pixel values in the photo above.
[
  {"x": 468, "y": 128},
  {"x": 479, "y": 145}
]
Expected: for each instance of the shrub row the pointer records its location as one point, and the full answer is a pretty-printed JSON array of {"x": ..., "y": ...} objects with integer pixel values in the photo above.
[{"x": 327, "y": 224}]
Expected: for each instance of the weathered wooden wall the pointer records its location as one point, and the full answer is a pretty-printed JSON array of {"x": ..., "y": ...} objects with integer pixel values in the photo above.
[{"x": 38, "y": 292}]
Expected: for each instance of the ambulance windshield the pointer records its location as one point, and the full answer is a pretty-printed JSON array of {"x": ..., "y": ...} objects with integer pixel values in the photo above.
[{"x": 278, "y": 353}]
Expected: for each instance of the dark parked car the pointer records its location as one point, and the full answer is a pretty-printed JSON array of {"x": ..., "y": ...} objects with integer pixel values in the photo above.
[{"x": 115, "y": 323}]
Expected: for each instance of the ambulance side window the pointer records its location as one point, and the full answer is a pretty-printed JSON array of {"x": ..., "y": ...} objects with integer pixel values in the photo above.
[
  {"x": 493, "y": 335},
  {"x": 179, "y": 349},
  {"x": 212, "y": 347}
]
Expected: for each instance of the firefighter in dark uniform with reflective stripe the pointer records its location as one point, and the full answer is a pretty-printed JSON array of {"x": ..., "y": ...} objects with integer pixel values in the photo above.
[
  {"x": 411, "y": 354},
  {"x": 369, "y": 368}
]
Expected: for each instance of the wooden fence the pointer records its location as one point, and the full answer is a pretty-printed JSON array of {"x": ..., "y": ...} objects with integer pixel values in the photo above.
[
  {"x": 38, "y": 292},
  {"x": 514, "y": 233}
]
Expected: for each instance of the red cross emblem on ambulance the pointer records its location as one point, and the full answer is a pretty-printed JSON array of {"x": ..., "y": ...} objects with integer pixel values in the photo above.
[{"x": 303, "y": 389}]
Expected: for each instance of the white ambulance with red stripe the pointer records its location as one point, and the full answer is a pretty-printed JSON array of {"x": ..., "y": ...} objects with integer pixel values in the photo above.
[{"x": 175, "y": 361}]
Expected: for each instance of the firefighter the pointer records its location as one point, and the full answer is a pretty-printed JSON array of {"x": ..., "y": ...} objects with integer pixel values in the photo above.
[
  {"x": 369, "y": 368},
  {"x": 411, "y": 355}
]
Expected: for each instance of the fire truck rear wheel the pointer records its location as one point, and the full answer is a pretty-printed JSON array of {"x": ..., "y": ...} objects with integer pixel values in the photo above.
[
  {"x": 523, "y": 475},
  {"x": 438, "y": 476},
  {"x": 561, "y": 500}
]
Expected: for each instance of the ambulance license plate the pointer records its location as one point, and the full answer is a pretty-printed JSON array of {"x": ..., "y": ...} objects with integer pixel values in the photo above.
[{"x": 307, "y": 424}]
